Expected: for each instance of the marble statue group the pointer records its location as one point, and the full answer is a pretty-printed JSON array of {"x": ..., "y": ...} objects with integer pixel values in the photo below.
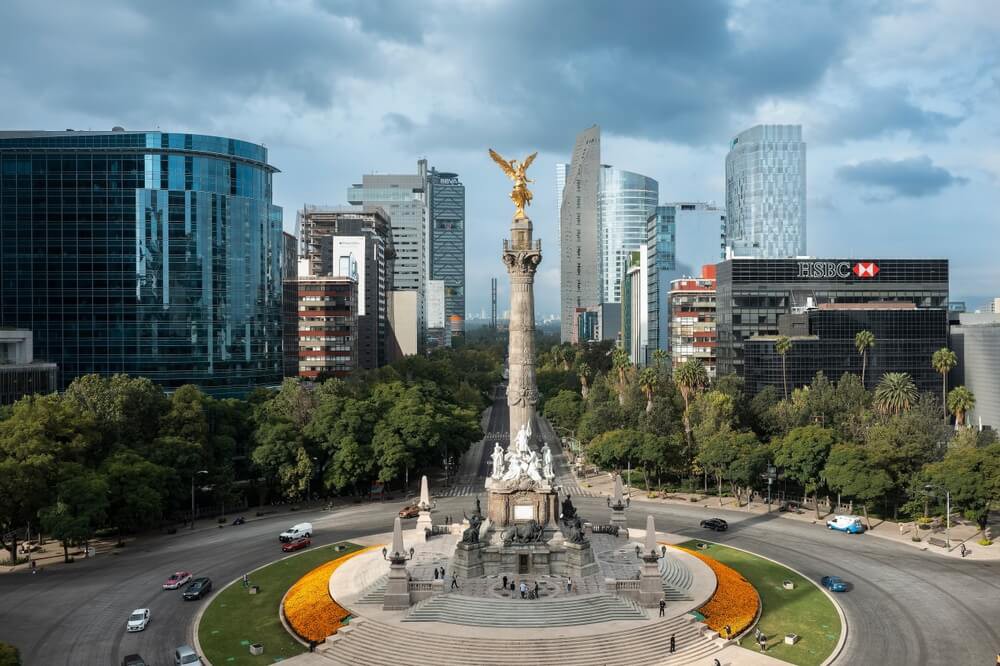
[{"x": 520, "y": 460}]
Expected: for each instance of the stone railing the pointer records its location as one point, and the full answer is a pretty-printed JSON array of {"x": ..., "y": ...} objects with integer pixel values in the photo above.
[
  {"x": 628, "y": 588},
  {"x": 424, "y": 589}
]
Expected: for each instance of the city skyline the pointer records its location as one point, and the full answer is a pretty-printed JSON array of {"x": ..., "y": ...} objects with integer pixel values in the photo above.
[{"x": 895, "y": 106}]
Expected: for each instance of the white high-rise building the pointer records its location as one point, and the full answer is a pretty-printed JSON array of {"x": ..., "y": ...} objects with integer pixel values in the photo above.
[
  {"x": 625, "y": 202},
  {"x": 766, "y": 193}
]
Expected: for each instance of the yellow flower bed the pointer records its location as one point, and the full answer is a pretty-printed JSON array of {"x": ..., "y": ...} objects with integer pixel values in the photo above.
[
  {"x": 309, "y": 609},
  {"x": 735, "y": 601}
]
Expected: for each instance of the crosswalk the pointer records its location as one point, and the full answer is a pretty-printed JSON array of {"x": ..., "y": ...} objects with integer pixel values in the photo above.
[{"x": 460, "y": 490}]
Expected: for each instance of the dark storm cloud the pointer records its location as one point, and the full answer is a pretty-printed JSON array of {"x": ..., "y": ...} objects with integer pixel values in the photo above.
[{"x": 910, "y": 177}]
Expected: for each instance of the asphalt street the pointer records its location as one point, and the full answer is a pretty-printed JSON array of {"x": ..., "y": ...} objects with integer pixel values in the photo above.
[{"x": 904, "y": 606}]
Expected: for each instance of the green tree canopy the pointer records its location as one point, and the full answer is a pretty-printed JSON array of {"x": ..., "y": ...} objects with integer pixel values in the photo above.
[{"x": 803, "y": 453}]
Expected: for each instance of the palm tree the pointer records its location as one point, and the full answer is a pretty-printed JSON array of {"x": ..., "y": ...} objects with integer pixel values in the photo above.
[
  {"x": 783, "y": 345},
  {"x": 621, "y": 362},
  {"x": 895, "y": 393},
  {"x": 863, "y": 341},
  {"x": 567, "y": 354},
  {"x": 690, "y": 378},
  {"x": 659, "y": 356},
  {"x": 584, "y": 371},
  {"x": 943, "y": 361},
  {"x": 960, "y": 402},
  {"x": 649, "y": 379}
]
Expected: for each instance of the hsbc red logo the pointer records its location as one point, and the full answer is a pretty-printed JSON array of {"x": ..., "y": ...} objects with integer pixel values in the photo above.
[{"x": 865, "y": 269}]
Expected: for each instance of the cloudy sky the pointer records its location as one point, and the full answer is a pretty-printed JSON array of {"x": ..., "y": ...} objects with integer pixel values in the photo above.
[{"x": 899, "y": 102}]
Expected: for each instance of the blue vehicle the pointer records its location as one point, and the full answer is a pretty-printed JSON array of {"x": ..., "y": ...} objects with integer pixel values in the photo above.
[
  {"x": 848, "y": 524},
  {"x": 833, "y": 583}
]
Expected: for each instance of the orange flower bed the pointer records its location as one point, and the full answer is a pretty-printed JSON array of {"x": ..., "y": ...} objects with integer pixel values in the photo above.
[
  {"x": 735, "y": 601},
  {"x": 309, "y": 609}
]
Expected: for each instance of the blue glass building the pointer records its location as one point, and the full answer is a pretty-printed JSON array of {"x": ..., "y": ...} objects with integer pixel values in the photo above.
[
  {"x": 144, "y": 253},
  {"x": 661, "y": 249}
]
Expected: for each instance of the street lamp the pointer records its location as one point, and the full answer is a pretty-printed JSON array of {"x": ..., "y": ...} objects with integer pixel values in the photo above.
[
  {"x": 201, "y": 471},
  {"x": 947, "y": 511}
]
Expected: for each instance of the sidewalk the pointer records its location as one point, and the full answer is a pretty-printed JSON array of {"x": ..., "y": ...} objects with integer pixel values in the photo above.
[{"x": 962, "y": 532}]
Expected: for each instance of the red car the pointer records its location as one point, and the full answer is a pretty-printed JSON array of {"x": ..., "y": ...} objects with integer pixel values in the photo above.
[
  {"x": 410, "y": 511},
  {"x": 298, "y": 544},
  {"x": 176, "y": 580}
]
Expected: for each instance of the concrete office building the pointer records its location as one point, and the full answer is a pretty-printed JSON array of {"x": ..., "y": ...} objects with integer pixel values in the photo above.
[
  {"x": 579, "y": 249},
  {"x": 147, "y": 253},
  {"x": 766, "y": 193},
  {"x": 976, "y": 342},
  {"x": 446, "y": 214},
  {"x": 20, "y": 374},
  {"x": 635, "y": 307},
  {"x": 289, "y": 305},
  {"x": 354, "y": 241},
  {"x": 438, "y": 331},
  {"x": 753, "y": 293},
  {"x": 327, "y": 326},
  {"x": 692, "y": 320}
]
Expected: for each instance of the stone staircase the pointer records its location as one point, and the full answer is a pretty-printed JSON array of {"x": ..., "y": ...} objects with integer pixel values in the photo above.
[
  {"x": 375, "y": 593},
  {"x": 366, "y": 642},
  {"x": 513, "y": 613},
  {"x": 677, "y": 579}
]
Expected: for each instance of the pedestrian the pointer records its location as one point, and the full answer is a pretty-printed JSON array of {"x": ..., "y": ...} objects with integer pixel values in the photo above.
[
  {"x": 435, "y": 573},
  {"x": 673, "y": 643},
  {"x": 663, "y": 607},
  {"x": 505, "y": 582},
  {"x": 524, "y": 590},
  {"x": 728, "y": 631},
  {"x": 246, "y": 580},
  {"x": 763, "y": 643},
  {"x": 454, "y": 582},
  {"x": 442, "y": 573},
  {"x": 536, "y": 589},
  {"x": 569, "y": 584},
  {"x": 512, "y": 588}
]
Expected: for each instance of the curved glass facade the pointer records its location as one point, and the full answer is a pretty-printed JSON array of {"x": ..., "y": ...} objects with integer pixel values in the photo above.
[
  {"x": 144, "y": 253},
  {"x": 625, "y": 202}
]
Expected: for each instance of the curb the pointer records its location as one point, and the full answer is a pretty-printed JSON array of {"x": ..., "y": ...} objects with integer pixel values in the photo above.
[{"x": 839, "y": 647}]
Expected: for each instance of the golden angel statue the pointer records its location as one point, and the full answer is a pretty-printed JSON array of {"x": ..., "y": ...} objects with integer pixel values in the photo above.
[{"x": 520, "y": 195}]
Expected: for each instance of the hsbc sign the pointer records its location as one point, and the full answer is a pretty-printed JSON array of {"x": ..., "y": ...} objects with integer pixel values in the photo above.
[{"x": 837, "y": 269}]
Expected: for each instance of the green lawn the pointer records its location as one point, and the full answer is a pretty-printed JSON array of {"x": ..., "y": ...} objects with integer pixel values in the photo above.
[
  {"x": 236, "y": 618},
  {"x": 805, "y": 611}
]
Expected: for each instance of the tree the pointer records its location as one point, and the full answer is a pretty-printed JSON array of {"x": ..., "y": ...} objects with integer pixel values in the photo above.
[
  {"x": 567, "y": 354},
  {"x": 863, "y": 341},
  {"x": 649, "y": 380},
  {"x": 960, "y": 402},
  {"x": 659, "y": 357},
  {"x": 895, "y": 393},
  {"x": 849, "y": 470},
  {"x": 80, "y": 507},
  {"x": 585, "y": 373},
  {"x": 783, "y": 345},
  {"x": 137, "y": 491},
  {"x": 973, "y": 478},
  {"x": 613, "y": 450},
  {"x": 943, "y": 361},
  {"x": 690, "y": 377},
  {"x": 621, "y": 363},
  {"x": 803, "y": 453},
  {"x": 9, "y": 655},
  {"x": 564, "y": 410}
]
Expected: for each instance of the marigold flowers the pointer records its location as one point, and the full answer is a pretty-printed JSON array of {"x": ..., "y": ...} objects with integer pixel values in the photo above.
[
  {"x": 309, "y": 609},
  {"x": 735, "y": 601}
]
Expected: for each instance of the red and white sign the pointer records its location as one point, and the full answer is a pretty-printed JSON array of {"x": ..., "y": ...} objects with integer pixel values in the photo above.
[{"x": 866, "y": 269}]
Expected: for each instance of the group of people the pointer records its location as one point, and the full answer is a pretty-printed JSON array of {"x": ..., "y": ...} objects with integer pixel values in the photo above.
[
  {"x": 439, "y": 573},
  {"x": 526, "y": 592}
]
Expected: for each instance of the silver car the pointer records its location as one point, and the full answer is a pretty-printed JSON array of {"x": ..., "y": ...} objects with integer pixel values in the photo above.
[{"x": 186, "y": 656}]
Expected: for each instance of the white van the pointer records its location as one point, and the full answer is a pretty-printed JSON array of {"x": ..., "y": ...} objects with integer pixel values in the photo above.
[{"x": 296, "y": 532}]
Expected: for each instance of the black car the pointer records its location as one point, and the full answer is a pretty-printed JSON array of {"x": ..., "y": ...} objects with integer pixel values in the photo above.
[
  {"x": 133, "y": 660},
  {"x": 717, "y": 524},
  {"x": 198, "y": 588}
]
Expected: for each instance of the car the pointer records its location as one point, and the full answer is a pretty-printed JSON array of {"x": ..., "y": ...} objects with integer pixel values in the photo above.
[
  {"x": 186, "y": 656},
  {"x": 717, "y": 524},
  {"x": 833, "y": 583},
  {"x": 848, "y": 524},
  {"x": 138, "y": 620},
  {"x": 177, "y": 579},
  {"x": 409, "y": 511},
  {"x": 298, "y": 544},
  {"x": 198, "y": 588},
  {"x": 133, "y": 660},
  {"x": 296, "y": 532},
  {"x": 239, "y": 520}
]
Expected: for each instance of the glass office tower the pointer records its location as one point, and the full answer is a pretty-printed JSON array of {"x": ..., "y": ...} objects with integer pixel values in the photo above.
[
  {"x": 661, "y": 250},
  {"x": 766, "y": 193},
  {"x": 625, "y": 201},
  {"x": 144, "y": 253},
  {"x": 446, "y": 201}
]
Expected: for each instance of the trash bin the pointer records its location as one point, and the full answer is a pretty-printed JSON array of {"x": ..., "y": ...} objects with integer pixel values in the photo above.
[
  {"x": 256, "y": 649},
  {"x": 254, "y": 589}
]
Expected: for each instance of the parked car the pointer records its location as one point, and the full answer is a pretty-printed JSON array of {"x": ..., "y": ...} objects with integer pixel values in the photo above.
[
  {"x": 833, "y": 583},
  {"x": 239, "y": 521},
  {"x": 177, "y": 579},
  {"x": 717, "y": 524},
  {"x": 138, "y": 620},
  {"x": 298, "y": 544},
  {"x": 186, "y": 656},
  {"x": 849, "y": 524},
  {"x": 296, "y": 532},
  {"x": 198, "y": 588},
  {"x": 409, "y": 511},
  {"x": 133, "y": 660}
]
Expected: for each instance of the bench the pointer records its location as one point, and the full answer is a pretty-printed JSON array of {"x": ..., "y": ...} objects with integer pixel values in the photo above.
[{"x": 935, "y": 541}]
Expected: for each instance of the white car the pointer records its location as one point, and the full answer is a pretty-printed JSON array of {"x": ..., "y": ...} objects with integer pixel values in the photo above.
[
  {"x": 848, "y": 524},
  {"x": 296, "y": 532},
  {"x": 138, "y": 620}
]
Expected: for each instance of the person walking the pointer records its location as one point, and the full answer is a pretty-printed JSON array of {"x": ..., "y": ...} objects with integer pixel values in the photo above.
[
  {"x": 536, "y": 589},
  {"x": 763, "y": 643},
  {"x": 663, "y": 607},
  {"x": 569, "y": 584},
  {"x": 505, "y": 582},
  {"x": 454, "y": 582},
  {"x": 512, "y": 588},
  {"x": 728, "y": 631},
  {"x": 673, "y": 643},
  {"x": 34, "y": 567},
  {"x": 435, "y": 573},
  {"x": 524, "y": 590},
  {"x": 246, "y": 580}
]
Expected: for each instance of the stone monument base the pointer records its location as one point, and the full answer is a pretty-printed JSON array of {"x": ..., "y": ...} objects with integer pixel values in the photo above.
[
  {"x": 650, "y": 583},
  {"x": 468, "y": 561},
  {"x": 397, "y": 588},
  {"x": 423, "y": 523},
  {"x": 532, "y": 559},
  {"x": 619, "y": 519},
  {"x": 579, "y": 561}
]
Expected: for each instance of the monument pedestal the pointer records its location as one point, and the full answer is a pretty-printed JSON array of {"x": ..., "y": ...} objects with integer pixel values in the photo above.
[
  {"x": 424, "y": 522},
  {"x": 397, "y": 589},
  {"x": 580, "y": 560},
  {"x": 619, "y": 520},
  {"x": 468, "y": 561}
]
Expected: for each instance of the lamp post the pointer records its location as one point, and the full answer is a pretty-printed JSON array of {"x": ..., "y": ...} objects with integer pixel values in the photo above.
[
  {"x": 947, "y": 511},
  {"x": 201, "y": 471}
]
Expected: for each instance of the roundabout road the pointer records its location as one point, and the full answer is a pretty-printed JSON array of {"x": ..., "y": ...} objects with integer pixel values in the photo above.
[{"x": 905, "y": 607}]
